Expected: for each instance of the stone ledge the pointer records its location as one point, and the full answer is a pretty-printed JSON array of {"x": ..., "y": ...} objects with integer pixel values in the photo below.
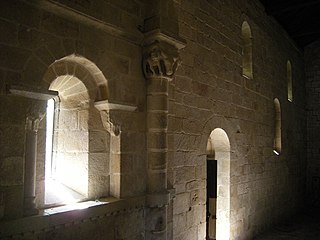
[
  {"x": 158, "y": 199},
  {"x": 57, "y": 217},
  {"x": 31, "y": 92},
  {"x": 63, "y": 10},
  {"x": 160, "y": 35},
  {"x": 105, "y": 105}
]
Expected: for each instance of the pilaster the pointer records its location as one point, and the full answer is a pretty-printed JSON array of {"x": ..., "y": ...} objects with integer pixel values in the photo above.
[{"x": 160, "y": 62}]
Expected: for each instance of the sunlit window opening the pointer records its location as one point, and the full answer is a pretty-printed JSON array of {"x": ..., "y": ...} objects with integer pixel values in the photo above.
[
  {"x": 49, "y": 138},
  {"x": 76, "y": 166},
  {"x": 55, "y": 191}
]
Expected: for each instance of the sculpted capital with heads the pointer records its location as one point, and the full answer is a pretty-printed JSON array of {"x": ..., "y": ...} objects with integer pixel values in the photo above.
[{"x": 160, "y": 60}]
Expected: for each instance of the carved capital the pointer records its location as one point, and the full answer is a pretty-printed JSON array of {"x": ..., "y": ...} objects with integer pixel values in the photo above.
[
  {"x": 105, "y": 107},
  {"x": 160, "y": 60},
  {"x": 113, "y": 129},
  {"x": 34, "y": 116}
]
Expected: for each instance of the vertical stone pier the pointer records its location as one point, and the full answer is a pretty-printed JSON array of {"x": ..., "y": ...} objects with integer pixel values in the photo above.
[{"x": 160, "y": 62}]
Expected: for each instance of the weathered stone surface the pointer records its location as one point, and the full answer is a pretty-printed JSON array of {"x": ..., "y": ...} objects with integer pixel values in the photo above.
[
  {"x": 92, "y": 50},
  {"x": 181, "y": 203},
  {"x": 184, "y": 174},
  {"x": 13, "y": 58},
  {"x": 99, "y": 141},
  {"x": 75, "y": 141},
  {"x": 11, "y": 169}
]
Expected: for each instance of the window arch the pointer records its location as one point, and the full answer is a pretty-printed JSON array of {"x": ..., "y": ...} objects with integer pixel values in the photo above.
[
  {"x": 289, "y": 81},
  {"x": 247, "y": 66},
  {"x": 77, "y": 165},
  {"x": 277, "y": 128}
]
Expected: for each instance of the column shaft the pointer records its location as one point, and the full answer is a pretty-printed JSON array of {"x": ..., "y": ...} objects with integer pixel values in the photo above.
[
  {"x": 160, "y": 62},
  {"x": 30, "y": 170},
  {"x": 157, "y": 148},
  {"x": 157, "y": 123}
]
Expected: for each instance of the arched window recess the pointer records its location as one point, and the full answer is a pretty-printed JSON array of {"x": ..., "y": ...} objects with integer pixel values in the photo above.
[
  {"x": 277, "y": 128},
  {"x": 247, "y": 64}
]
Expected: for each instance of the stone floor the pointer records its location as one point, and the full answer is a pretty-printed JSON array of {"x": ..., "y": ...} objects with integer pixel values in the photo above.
[{"x": 303, "y": 227}]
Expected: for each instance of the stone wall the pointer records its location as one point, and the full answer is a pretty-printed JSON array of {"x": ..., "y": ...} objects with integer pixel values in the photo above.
[
  {"x": 210, "y": 92},
  {"x": 43, "y": 41},
  {"x": 104, "y": 221},
  {"x": 312, "y": 60},
  {"x": 100, "y": 43}
]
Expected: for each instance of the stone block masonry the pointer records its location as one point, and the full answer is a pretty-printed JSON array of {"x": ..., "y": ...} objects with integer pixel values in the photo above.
[
  {"x": 313, "y": 120},
  {"x": 142, "y": 86},
  {"x": 210, "y": 92}
]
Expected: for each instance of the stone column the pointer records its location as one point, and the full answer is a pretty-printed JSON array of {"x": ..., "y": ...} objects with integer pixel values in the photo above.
[
  {"x": 160, "y": 61},
  {"x": 32, "y": 125}
]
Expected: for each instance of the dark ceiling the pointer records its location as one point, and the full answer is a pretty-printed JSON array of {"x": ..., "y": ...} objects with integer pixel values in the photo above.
[{"x": 300, "y": 18}]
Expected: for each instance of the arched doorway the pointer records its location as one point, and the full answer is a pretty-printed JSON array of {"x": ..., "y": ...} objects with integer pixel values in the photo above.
[{"x": 218, "y": 185}]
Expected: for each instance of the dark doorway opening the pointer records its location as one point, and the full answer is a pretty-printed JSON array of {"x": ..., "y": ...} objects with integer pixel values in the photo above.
[{"x": 211, "y": 198}]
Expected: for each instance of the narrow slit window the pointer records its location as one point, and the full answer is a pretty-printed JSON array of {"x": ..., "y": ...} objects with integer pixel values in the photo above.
[
  {"x": 277, "y": 128},
  {"x": 247, "y": 70},
  {"x": 49, "y": 138},
  {"x": 289, "y": 79}
]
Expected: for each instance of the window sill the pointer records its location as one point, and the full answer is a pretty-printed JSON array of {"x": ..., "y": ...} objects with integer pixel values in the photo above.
[{"x": 69, "y": 215}]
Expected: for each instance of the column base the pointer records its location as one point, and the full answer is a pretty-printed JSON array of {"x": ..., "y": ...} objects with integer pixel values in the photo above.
[
  {"x": 156, "y": 223},
  {"x": 29, "y": 207}
]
